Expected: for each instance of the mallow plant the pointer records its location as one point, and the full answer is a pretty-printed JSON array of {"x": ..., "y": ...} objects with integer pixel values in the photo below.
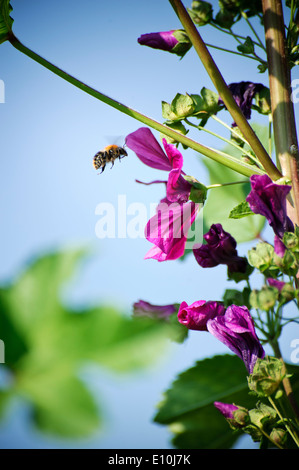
[{"x": 248, "y": 390}]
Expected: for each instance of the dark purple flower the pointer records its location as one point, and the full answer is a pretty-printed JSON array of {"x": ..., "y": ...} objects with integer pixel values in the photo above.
[
  {"x": 168, "y": 229},
  {"x": 145, "y": 309},
  {"x": 236, "y": 330},
  {"x": 243, "y": 93},
  {"x": 269, "y": 199},
  {"x": 174, "y": 41},
  {"x": 196, "y": 315},
  {"x": 220, "y": 249}
]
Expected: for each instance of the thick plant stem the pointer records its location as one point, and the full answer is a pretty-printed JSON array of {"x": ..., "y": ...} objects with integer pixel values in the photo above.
[
  {"x": 284, "y": 126},
  {"x": 223, "y": 90},
  {"x": 227, "y": 160},
  {"x": 286, "y": 381}
]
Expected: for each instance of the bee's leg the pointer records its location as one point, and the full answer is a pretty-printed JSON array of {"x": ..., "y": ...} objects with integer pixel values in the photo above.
[
  {"x": 112, "y": 164},
  {"x": 103, "y": 168}
]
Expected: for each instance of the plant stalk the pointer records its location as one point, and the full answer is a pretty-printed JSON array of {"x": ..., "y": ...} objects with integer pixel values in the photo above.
[
  {"x": 223, "y": 90},
  {"x": 231, "y": 162},
  {"x": 284, "y": 126}
]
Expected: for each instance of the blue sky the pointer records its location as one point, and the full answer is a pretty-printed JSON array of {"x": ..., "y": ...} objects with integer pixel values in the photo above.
[{"x": 49, "y": 189}]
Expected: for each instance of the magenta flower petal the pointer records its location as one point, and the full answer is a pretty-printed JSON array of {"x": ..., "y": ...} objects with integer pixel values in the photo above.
[
  {"x": 178, "y": 189},
  {"x": 226, "y": 409},
  {"x": 145, "y": 309},
  {"x": 174, "y": 155},
  {"x": 236, "y": 330},
  {"x": 196, "y": 315},
  {"x": 269, "y": 199},
  {"x": 148, "y": 149},
  {"x": 168, "y": 229},
  {"x": 276, "y": 283},
  {"x": 164, "y": 40},
  {"x": 279, "y": 247}
]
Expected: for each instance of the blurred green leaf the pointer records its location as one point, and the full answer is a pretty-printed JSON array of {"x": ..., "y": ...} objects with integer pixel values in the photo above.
[
  {"x": 188, "y": 407},
  {"x": 47, "y": 343},
  {"x": 5, "y": 20}
]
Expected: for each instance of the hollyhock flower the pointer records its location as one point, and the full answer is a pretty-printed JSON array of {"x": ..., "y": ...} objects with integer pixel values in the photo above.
[
  {"x": 220, "y": 249},
  {"x": 196, "y": 315},
  {"x": 145, "y": 309},
  {"x": 243, "y": 93},
  {"x": 236, "y": 330},
  {"x": 276, "y": 283},
  {"x": 279, "y": 247},
  {"x": 269, "y": 199},
  {"x": 168, "y": 229},
  {"x": 149, "y": 151},
  {"x": 237, "y": 416},
  {"x": 174, "y": 41}
]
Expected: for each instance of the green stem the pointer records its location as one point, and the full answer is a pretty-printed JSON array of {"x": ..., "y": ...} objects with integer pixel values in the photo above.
[
  {"x": 231, "y": 162},
  {"x": 252, "y": 29},
  {"x": 231, "y": 33},
  {"x": 223, "y": 90},
  {"x": 284, "y": 125},
  {"x": 256, "y": 57},
  {"x": 286, "y": 382},
  {"x": 220, "y": 185},
  {"x": 294, "y": 436},
  {"x": 231, "y": 129}
]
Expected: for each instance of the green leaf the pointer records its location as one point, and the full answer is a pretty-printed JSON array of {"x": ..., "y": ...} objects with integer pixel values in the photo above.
[
  {"x": 240, "y": 211},
  {"x": 47, "y": 343},
  {"x": 5, "y": 20},
  {"x": 247, "y": 47},
  {"x": 182, "y": 105},
  {"x": 188, "y": 407}
]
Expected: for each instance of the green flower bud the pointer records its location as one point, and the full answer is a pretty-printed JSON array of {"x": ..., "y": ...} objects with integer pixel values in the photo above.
[
  {"x": 201, "y": 12},
  {"x": 279, "y": 436},
  {"x": 266, "y": 377}
]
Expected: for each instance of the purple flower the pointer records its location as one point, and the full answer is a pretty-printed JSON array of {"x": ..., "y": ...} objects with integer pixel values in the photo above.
[
  {"x": 168, "y": 229},
  {"x": 237, "y": 416},
  {"x": 227, "y": 409},
  {"x": 276, "y": 283},
  {"x": 149, "y": 151},
  {"x": 164, "y": 40},
  {"x": 269, "y": 199},
  {"x": 243, "y": 93},
  {"x": 145, "y": 309},
  {"x": 279, "y": 247},
  {"x": 220, "y": 249},
  {"x": 236, "y": 330},
  {"x": 174, "y": 41},
  {"x": 196, "y": 315}
]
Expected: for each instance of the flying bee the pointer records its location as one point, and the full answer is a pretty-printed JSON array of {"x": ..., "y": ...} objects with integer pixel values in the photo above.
[{"x": 108, "y": 154}]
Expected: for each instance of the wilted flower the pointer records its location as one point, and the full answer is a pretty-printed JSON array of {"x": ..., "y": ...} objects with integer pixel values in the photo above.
[
  {"x": 174, "y": 41},
  {"x": 243, "y": 93},
  {"x": 269, "y": 199},
  {"x": 236, "y": 330},
  {"x": 145, "y": 309},
  {"x": 220, "y": 249},
  {"x": 196, "y": 315}
]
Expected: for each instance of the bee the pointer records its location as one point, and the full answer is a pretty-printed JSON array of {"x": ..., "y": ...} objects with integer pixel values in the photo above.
[{"x": 108, "y": 154}]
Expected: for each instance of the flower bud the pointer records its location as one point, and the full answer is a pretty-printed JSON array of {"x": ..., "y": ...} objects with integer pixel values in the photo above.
[
  {"x": 174, "y": 41},
  {"x": 266, "y": 377},
  {"x": 236, "y": 416},
  {"x": 201, "y": 12},
  {"x": 279, "y": 436}
]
